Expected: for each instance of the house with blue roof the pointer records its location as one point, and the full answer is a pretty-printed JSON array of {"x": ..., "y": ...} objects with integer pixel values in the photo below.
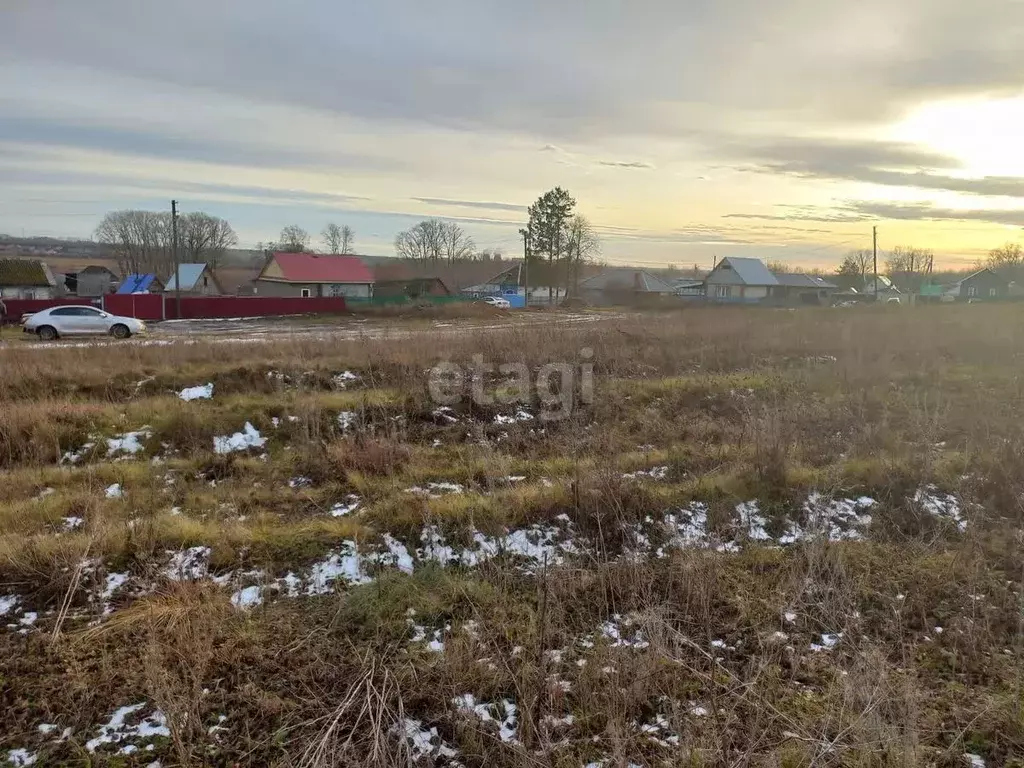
[
  {"x": 196, "y": 279},
  {"x": 141, "y": 283}
]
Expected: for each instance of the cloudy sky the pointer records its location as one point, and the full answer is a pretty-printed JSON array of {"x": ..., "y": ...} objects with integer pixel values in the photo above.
[{"x": 685, "y": 129}]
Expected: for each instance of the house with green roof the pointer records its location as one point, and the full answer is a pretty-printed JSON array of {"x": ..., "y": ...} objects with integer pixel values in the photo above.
[{"x": 26, "y": 279}]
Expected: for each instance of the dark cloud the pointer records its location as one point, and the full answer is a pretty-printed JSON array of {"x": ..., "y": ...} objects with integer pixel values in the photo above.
[
  {"x": 873, "y": 162},
  {"x": 835, "y": 217},
  {"x": 483, "y": 204},
  {"x": 162, "y": 142},
  {"x": 536, "y": 67},
  {"x": 636, "y": 165},
  {"x": 928, "y": 212}
]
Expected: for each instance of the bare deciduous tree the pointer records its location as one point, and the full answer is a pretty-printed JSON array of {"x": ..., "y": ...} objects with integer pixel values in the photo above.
[
  {"x": 294, "y": 239},
  {"x": 204, "y": 238},
  {"x": 1007, "y": 255},
  {"x": 435, "y": 240},
  {"x": 140, "y": 241},
  {"x": 338, "y": 239},
  {"x": 582, "y": 245}
]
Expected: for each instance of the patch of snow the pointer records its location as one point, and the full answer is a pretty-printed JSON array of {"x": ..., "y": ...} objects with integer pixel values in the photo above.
[
  {"x": 46, "y": 728},
  {"x": 201, "y": 392},
  {"x": 518, "y": 416},
  {"x": 828, "y": 642},
  {"x": 188, "y": 564},
  {"x": 976, "y": 761},
  {"x": 71, "y": 523},
  {"x": 20, "y": 758},
  {"x": 436, "y": 490},
  {"x": 300, "y": 482},
  {"x": 28, "y": 618},
  {"x": 397, "y": 554},
  {"x": 129, "y": 442},
  {"x": 660, "y": 731},
  {"x": 446, "y": 413},
  {"x": 345, "y": 564},
  {"x": 654, "y": 473},
  {"x": 346, "y": 420},
  {"x": 341, "y": 380},
  {"x": 751, "y": 520},
  {"x": 435, "y": 642},
  {"x": 247, "y": 597},
  {"x": 114, "y": 491},
  {"x": 941, "y": 505},
  {"x": 537, "y": 544},
  {"x": 346, "y": 507},
  {"x": 117, "y": 730},
  {"x": 502, "y": 714},
  {"x": 73, "y": 457},
  {"x": 621, "y": 631},
  {"x": 248, "y": 438},
  {"x": 698, "y": 711},
  {"x": 426, "y": 743},
  {"x": 114, "y": 582},
  {"x": 835, "y": 519},
  {"x": 789, "y": 616}
]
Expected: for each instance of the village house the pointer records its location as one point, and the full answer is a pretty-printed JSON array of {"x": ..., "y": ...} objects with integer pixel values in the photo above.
[
  {"x": 26, "y": 279},
  {"x": 141, "y": 283},
  {"x": 625, "y": 285},
  {"x": 196, "y": 279},
  {"x": 92, "y": 281},
  {"x": 737, "y": 279},
  {"x": 314, "y": 274}
]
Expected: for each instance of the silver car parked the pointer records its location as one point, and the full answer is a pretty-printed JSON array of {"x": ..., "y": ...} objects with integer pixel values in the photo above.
[{"x": 56, "y": 322}]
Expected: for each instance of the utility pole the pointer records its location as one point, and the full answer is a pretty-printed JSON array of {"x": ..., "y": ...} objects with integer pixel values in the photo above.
[
  {"x": 174, "y": 253},
  {"x": 526, "y": 264},
  {"x": 874, "y": 251}
]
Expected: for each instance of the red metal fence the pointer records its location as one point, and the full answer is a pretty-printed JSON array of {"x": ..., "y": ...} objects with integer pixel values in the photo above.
[
  {"x": 16, "y": 308},
  {"x": 155, "y": 306}
]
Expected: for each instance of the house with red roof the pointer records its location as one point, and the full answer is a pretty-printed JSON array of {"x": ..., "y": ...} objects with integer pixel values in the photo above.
[{"x": 314, "y": 274}]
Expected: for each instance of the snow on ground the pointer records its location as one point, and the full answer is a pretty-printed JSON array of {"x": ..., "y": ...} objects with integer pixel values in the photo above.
[
  {"x": 537, "y": 544},
  {"x": 188, "y": 564},
  {"x": 343, "y": 379},
  {"x": 201, "y": 392},
  {"x": 114, "y": 491},
  {"x": 516, "y": 417},
  {"x": 502, "y": 714},
  {"x": 248, "y": 438},
  {"x": 73, "y": 457},
  {"x": 654, "y": 473},
  {"x": 436, "y": 490},
  {"x": 347, "y": 420},
  {"x": 660, "y": 731},
  {"x": 72, "y": 523},
  {"x": 427, "y": 743},
  {"x": 117, "y": 729},
  {"x": 621, "y": 631},
  {"x": 346, "y": 507},
  {"x": 20, "y": 758},
  {"x": 752, "y": 522},
  {"x": 113, "y": 583},
  {"x": 129, "y": 442},
  {"x": 344, "y": 564},
  {"x": 247, "y": 597},
  {"x": 828, "y": 642},
  {"x": 941, "y": 505}
]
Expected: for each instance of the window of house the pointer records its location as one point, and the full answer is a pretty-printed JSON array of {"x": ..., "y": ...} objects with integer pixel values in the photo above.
[
  {"x": 972, "y": 291},
  {"x": 991, "y": 292},
  {"x": 723, "y": 291},
  {"x": 337, "y": 290},
  {"x": 304, "y": 292}
]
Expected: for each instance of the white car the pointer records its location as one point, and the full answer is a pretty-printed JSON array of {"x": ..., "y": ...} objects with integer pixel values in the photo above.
[
  {"x": 56, "y": 322},
  {"x": 497, "y": 301}
]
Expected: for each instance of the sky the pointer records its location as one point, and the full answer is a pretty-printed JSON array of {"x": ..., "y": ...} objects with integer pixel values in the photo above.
[{"x": 686, "y": 130}]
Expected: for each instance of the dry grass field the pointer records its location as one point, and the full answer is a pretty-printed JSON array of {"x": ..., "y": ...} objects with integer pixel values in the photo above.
[{"x": 770, "y": 538}]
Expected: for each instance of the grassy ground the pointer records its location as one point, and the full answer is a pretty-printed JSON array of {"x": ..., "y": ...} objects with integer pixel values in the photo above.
[{"x": 772, "y": 538}]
